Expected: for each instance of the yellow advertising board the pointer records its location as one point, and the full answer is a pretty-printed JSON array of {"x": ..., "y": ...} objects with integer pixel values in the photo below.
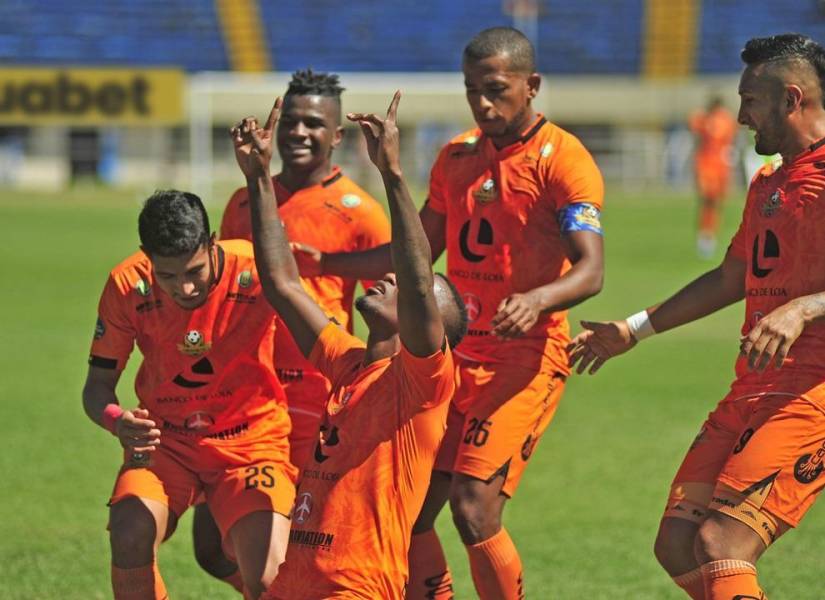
[{"x": 90, "y": 96}]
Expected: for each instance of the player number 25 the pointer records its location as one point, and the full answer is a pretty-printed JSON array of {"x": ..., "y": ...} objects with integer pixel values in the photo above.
[{"x": 259, "y": 477}]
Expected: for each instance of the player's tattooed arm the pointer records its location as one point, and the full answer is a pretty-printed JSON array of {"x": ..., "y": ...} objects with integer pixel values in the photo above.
[
  {"x": 419, "y": 320},
  {"x": 771, "y": 338},
  {"x": 133, "y": 428},
  {"x": 276, "y": 266},
  {"x": 517, "y": 313}
]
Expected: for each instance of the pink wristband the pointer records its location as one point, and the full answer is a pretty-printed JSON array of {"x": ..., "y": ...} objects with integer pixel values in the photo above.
[{"x": 111, "y": 414}]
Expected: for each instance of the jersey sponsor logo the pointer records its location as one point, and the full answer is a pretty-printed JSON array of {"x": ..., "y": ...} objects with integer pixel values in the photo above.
[
  {"x": 143, "y": 288},
  {"x": 289, "y": 375},
  {"x": 473, "y": 305},
  {"x": 772, "y": 204},
  {"x": 350, "y": 200},
  {"x": 322, "y": 475},
  {"x": 342, "y": 214},
  {"x": 486, "y": 192},
  {"x": 809, "y": 466},
  {"x": 194, "y": 344},
  {"x": 199, "y": 421},
  {"x": 303, "y": 508},
  {"x": 765, "y": 254},
  {"x": 148, "y": 306},
  {"x": 202, "y": 367},
  {"x": 475, "y": 240},
  {"x": 317, "y": 540},
  {"x": 245, "y": 279},
  {"x": 241, "y": 298},
  {"x": 325, "y": 441},
  {"x": 771, "y": 292},
  {"x": 100, "y": 329}
]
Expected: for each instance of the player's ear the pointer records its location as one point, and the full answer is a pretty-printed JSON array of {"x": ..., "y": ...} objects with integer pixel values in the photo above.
[
  {"x": 338, "y": 136},
  {"x": 793, "y": 97},
  {"x": 533, "y": 84}
]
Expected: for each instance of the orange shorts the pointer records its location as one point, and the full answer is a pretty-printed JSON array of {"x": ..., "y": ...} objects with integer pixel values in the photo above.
[
  {"x": 767, "y": 448},
  {"x": 237, "y": 477},
  {"x": 713, "y": 182},
  {"x": 307, "y": 394},
  {"x": 508, "y": 409}
]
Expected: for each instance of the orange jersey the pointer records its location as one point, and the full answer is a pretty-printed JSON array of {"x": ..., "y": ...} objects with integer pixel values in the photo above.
[
  {"x": 333, "y": 216},
  {"x": 780, "y": 238},
  {"x": 503, "y": 234},
  {"x": 207, "y": 374},
  {"x": 360, "y": 495},
  {"x": 716, "y": 133}
]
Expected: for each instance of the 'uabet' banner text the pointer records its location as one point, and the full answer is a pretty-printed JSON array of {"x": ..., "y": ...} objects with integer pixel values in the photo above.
[{"x": 81, "y": 96}]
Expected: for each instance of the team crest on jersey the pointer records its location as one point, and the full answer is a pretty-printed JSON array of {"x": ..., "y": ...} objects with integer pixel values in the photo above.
[
  {"x": 546, "y": 150},
  {"x": 245, "y": 279},
  {"x": 194, "y": 344},
  {"x": 143, "y": 288},
  {"x": 473, "y": 305},
  {"x": 303, "y": 508},
  {"x": 772, "y": 205},
  {"x": 199, "y": 421},
  {"x": 486, "y": 192},
  {"x": 350, "y": 200}
]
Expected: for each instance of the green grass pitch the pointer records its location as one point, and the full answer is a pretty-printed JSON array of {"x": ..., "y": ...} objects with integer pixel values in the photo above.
[{"x": 584, "y": 518}]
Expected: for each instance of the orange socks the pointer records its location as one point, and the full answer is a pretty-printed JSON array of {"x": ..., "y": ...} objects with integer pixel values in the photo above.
[
  {"x": 430, "y": 577},
  {"x": 729, "y": 579},
  {"x": 140, "y": 583},
  {"x": 496, "y": 568},
  {"x": 692, "y": 583}
]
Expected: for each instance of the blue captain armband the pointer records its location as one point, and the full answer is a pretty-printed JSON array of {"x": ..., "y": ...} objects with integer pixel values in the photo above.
[{"x": 581, "y": 216}]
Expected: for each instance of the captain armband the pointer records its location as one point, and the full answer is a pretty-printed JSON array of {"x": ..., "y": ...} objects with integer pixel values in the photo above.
[{"x": 581, "y": 216}]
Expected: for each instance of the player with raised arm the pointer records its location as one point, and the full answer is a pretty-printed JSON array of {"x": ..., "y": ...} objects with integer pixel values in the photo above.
[
  {"x": 384, "y": 420},
  {"x": 754, "y": 468},
  {"x": 516, "y": 204},
  {"x": 319, "y": 205},
  {"x": 212, "y": 418}
]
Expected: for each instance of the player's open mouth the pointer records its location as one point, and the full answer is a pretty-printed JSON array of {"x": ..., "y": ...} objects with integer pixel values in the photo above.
[{"x": 376, "y": 290}]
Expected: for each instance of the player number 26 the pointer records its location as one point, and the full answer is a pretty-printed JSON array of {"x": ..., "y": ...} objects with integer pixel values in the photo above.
[{"x": 477, "y": 432}]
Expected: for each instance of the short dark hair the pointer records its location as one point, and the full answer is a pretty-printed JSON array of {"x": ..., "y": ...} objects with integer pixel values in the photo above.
[
  {"x": 173, "y": 223},
  {"x": 455, "y": 321},
  {"x": 309, "y": 83},
  {"x": 502, "y": 40},
  {"x": 786, "y": 47}
]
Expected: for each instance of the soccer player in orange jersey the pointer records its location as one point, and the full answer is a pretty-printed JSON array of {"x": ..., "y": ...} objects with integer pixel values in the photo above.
[
  {"x": 516, "y": 203},
  {"x": 318, "y": 205},
  {"x": 212, "y": 418},
  {"x": 755, "y": 467},
  {"x": 715, "y": 130},
  {"x": 385, "y": 418}
]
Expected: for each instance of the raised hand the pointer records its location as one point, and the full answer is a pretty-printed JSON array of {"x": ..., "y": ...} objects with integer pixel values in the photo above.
[
  {"x": 254, "y": 144},
  {"x": 599, "y": 342},
  {"x": 381, "y": 136}
]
